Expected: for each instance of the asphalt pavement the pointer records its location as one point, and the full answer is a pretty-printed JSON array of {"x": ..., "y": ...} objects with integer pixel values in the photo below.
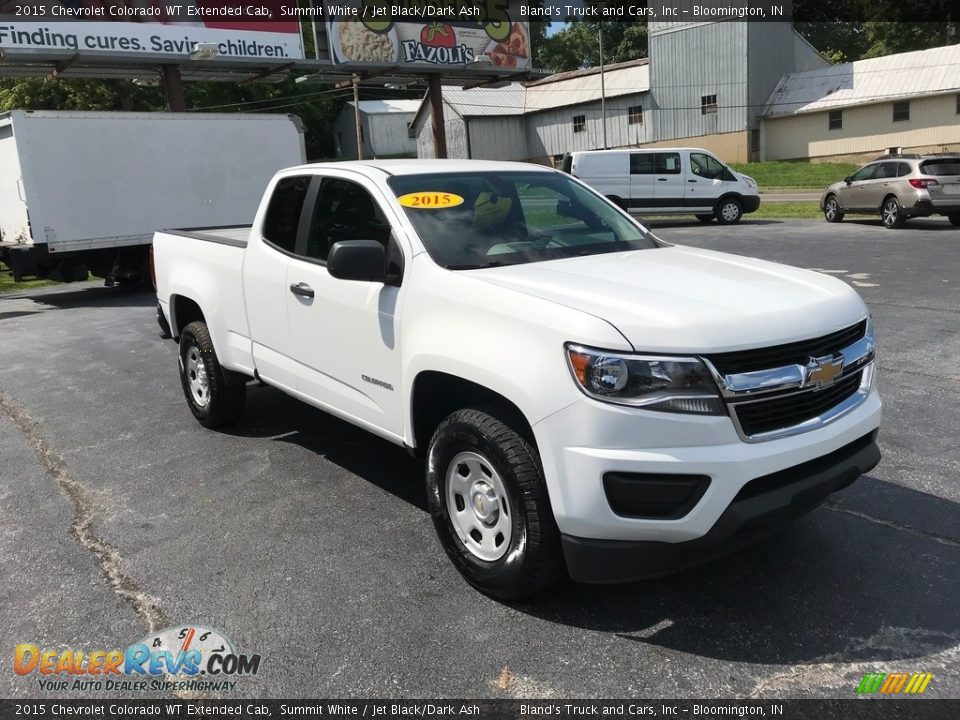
[{"x": 307, "y": 541}]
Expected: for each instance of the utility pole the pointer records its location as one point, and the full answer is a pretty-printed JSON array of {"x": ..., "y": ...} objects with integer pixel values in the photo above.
[
  {"x": 603, "y": 88},
  {"x": 355, "y": 81},
  {"x": 435, "y": 92},
  {"x": 173, "y": 88}
]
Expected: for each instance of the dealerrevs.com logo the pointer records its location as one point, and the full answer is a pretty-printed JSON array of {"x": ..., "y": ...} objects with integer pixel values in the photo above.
[{"x": 189, "y": 657}]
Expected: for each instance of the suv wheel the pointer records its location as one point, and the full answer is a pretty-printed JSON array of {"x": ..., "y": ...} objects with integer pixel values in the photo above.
[
  {"x": 831, "y": 210},
  {"x": 729, "y": 211},
  {"x": 954, "y": 219},
  {"x": 490, "y": 506},
  {"x": 891, "y": 213}
]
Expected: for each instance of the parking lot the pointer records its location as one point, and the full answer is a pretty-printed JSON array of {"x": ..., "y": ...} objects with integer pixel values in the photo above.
[{"x": 307, "y": 541}]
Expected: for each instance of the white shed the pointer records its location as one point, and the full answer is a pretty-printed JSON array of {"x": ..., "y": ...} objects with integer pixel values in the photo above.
[{"x": 384, "y": 128}]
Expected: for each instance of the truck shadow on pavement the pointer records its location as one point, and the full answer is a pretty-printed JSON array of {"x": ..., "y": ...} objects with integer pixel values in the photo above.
[
  {"x": 869, "y": 577},
  {"x": 86, "y": 295}
]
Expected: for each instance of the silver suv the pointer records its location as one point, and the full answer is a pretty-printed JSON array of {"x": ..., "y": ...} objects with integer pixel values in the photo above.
[{"x": 898, "y": 187}]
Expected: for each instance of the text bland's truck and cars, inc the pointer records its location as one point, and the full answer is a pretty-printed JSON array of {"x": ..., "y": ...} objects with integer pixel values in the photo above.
[{"x": 590, "y": 400}]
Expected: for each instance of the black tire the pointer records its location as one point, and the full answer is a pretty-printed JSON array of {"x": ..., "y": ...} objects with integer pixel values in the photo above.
[
  {"x": 729, "y": 211},
  {"x": 223, "y": 401},
  {"x": 832, "y": 212},
  {"x": 705, "y": 218},
  {"x": 891, "y": 213},
  {"x": 533, "y": 557},
  {"x": 954, "y": 220}
]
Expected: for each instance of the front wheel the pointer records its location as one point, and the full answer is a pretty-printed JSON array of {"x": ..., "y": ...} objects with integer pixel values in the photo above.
[
  {"x": 729, "y": 211},
  {"x": 891, "y": 214},
  {"x": 212, "y": 400},
  {"x": 490, "y": 506},
  {"x": 954, "y": 220},
  {"x": 831, "y": 210}
]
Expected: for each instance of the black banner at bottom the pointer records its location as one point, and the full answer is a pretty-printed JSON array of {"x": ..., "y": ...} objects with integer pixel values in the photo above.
[{"x": 853, "y": 709}]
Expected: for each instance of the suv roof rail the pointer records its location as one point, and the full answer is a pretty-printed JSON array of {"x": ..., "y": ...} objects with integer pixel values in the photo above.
[{"x": 900, "y": 156}]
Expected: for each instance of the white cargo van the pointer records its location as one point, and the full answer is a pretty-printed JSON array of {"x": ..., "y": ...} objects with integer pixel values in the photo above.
[{"x": 667, "y": 181}]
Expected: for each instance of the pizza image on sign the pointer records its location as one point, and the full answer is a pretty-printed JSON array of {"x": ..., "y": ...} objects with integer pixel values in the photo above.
[{"x": 513, "y": 51}]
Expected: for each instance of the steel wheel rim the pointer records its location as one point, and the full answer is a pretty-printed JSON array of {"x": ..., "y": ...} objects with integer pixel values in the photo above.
[
  {"x": 729, "y": 211},
  {"x": 831, "y": 209},
  {"x": 478, "y": 507},
  {"x": 197, "y": 377},
  {"x": 890, "y": 212}
]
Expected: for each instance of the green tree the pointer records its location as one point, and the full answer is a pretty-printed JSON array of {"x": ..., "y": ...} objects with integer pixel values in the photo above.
[{"x": 578, "y": 45}]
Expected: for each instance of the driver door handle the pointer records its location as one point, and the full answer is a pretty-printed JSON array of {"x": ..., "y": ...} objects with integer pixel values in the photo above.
[
  {"x": 691, "y": 180},
  {"x": 661, "y": 179},
  {"x": 302, "y": 289}
]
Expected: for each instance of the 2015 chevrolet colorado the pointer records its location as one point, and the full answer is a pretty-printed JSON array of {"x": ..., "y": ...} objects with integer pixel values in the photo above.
[{"x": 590, "y": 400}]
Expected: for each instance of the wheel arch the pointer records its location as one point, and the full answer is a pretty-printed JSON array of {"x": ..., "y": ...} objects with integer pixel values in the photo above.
[
  {"x": 183, "y": 311},
  {"x": 729, "y": 195},
  {"x": 436, "y": 394}
]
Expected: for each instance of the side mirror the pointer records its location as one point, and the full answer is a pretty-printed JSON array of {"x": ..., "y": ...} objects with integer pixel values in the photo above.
[
  {"x": 363, "y": 260},
  {"x": 848, "y": 179},
  {"x": 565, "y": 208}
]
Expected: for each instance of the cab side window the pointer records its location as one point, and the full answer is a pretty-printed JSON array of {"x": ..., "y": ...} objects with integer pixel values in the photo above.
[
  {"x": 344, "y": 210},
  {"x": 864, "y": 173},
  {"x": 706, "y": 166},
  {"x": 283, "y": 213}
]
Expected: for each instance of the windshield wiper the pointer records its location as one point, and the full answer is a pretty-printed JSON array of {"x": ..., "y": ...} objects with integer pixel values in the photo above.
[{"x": 474, "y": 266}]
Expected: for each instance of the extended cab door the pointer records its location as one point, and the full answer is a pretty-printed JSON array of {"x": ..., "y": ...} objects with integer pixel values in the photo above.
[
  {"x": 265, "y": 265},
  {"x": 345, "y": 332}
]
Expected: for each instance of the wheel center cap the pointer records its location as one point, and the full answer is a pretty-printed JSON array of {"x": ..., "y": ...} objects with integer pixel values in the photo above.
[{"x": 484, "y": 501}]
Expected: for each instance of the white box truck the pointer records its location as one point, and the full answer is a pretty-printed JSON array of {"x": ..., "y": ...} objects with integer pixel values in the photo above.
[{"x": 85, "y": 191}]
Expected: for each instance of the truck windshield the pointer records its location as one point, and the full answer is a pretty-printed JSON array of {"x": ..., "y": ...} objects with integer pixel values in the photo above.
[{"x": 486, "y": 219}]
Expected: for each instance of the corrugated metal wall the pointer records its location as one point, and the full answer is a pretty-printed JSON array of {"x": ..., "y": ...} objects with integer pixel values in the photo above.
[
  {"x": 386, "y": 134},
  {"x": 551, "y": 132},
  {"x": 456, "y": 133},
  {"x": 698, "y": 60},
  {"x": 498, "y": 138},
  {"x": 933, "y": 122}
]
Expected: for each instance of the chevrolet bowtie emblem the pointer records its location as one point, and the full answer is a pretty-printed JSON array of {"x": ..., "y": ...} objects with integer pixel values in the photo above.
[{"x": 821, "y": 372}]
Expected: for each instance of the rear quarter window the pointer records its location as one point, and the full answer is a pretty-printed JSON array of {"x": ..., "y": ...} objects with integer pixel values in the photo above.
[{"x": 940, "y": 167}]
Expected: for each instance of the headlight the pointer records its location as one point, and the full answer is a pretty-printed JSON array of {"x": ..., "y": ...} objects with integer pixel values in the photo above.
[{"x": 671, "y": 384}]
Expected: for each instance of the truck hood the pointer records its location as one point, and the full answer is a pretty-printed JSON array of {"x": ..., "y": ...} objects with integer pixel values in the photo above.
[{"x": 679, "y": 299}]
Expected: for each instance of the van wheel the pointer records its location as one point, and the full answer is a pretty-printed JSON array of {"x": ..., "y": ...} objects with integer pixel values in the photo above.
[
  {"x": 729, "y": 211},
  {"x": 490, "y": 506},
  {"x": 704, "y": 218},
  {"x": 954, "y": 220},
  {"x": 891, "y": 213},
  {"x": 831, "y": 209},
  {"x": 212, "y": 401}
]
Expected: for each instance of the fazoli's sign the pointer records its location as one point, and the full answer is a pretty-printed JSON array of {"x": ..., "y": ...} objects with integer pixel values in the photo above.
[{"x": 431, "y": 35}]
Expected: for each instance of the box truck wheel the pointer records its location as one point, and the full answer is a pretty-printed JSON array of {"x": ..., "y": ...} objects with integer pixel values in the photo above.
[
  {"x": 729, "y": 211},
  {"x": 212, "y": 400},
  {"x": 490, "y": 506}
]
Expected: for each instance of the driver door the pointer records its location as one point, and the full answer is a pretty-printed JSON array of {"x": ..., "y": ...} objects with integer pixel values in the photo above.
[
  {"x": 344, "y": 332},
  {"x": 853, "y": 195}
]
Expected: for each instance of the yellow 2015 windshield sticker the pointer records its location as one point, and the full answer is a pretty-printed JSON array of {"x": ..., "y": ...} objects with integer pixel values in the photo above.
[{"x": 430, "y": 200}]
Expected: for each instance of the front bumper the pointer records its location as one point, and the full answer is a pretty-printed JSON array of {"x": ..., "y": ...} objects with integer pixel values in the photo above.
[
  {"x": 751, "y": 203},
  {"x": 588, "y": 439},
  {"x": 761, "y": 506}
]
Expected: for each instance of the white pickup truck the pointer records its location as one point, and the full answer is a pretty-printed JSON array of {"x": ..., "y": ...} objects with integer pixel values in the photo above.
[{"x": 590, "y": 401}]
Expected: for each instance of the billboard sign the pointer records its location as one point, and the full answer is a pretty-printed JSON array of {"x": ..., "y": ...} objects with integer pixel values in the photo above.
[
  {"x": 257, "y": 31},
  {"x": 437, "y": 36}
]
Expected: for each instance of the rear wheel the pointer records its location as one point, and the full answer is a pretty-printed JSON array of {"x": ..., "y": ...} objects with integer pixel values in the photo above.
[
  {"x": 954, "y": 219},
  {"x": 831, "y": 209},
  {"x": 212, "y": 400},
  {"x": 490, "y": 506},
  {"x": 891, "y": 213},
  {"x": 729, "y": 211},
  {"x": 705, "y": 218}
]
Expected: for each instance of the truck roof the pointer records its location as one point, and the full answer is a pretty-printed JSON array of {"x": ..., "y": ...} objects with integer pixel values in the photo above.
[{"x": 416, "y": 166}]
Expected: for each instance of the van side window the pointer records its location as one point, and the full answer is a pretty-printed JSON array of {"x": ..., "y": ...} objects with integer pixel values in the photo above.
[
  {"x": 706, "y": 166},
  {"x": 641, "y": 164},
  {"x": 283, "y": 213},
  {"x": 667, "y": 163}
]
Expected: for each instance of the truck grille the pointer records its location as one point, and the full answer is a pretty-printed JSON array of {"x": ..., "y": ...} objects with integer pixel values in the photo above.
[
  {"x": 798, "y": 353},
  {"x": 762, "y": 416}
]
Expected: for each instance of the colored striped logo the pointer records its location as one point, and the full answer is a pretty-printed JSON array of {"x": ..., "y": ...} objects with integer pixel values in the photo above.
[{"x": 894, "y": 683}]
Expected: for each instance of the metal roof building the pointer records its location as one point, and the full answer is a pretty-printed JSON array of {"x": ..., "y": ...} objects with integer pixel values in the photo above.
[
  {"x": 384, "y": 129},
  {"x": 909, "y": 101}
]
